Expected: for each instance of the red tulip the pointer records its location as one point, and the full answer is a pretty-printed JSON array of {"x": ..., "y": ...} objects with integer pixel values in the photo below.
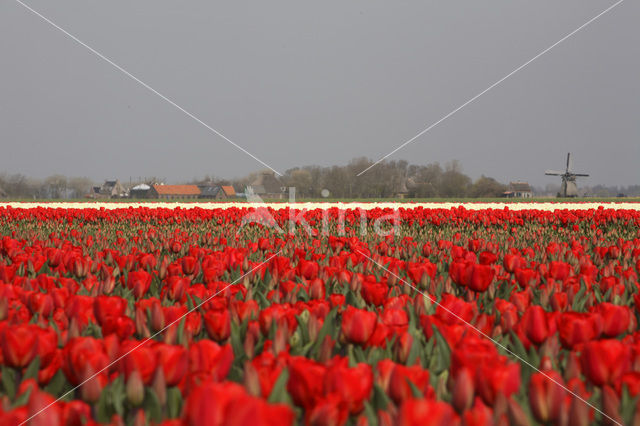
[
  {"x": 306, "y": 381},
  {"x": 615, "y": 318},
  {"x": 481, "y": 277},
  {"x": 546, "y": 395},
  {"x": 534, "y": 323},
  {"x": 218, "y": 324},
  {"x": 353, "y": 385},
  {"x": 174, "y": 361},
  {"x": 605, "y": 361},
  {"x": 139, "y": 281},
  {"x": 358, "y": 325},
  {"x": 399, "y": 388},
  {"x": 427, "y": 412},
  {"x": 374, "y": 293},
  {"x": 108, "y": 306},
  {"x": 19, "y": 344},
  {"x": 576, "y": 328},
  {"x": 207, "y": 356}
]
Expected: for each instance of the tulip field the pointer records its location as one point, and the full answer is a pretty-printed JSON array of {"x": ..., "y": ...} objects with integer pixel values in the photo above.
[{"x": 426, "y": 316}]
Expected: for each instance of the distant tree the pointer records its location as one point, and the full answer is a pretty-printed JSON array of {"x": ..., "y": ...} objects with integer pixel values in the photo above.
[
  {"x": 486, "y": 187},
  {"x": 78, "y": 187},
  {"x": 55, "y": 186},
  {"x": 454, "y": 183}
]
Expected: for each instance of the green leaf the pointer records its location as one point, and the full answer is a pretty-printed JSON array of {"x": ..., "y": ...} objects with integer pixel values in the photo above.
[
  {"x": 151, "y": 405},
  {"x": 414, "y": 352},
  {"x": 32, "y": 370},
  {"x": 414, "y": 389},
  {"x": 443, "y": 350},
  {"x": 9, "y": 381},
  {"x": 370, "y": 412},
  {"x": 22, "y": 399},
  {"x": 57, "y": 384},
  {"x": 174, "y": 402},
  {"x": 279, "y": 391},
  {"x": 380, "y": 399}
]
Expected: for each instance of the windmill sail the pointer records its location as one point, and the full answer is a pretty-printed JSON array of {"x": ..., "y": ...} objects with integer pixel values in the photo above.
[{"x": 569, "y": 187}]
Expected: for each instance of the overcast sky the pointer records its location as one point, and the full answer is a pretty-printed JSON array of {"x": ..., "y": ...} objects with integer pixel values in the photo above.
[{"x": 300, "y": 83}]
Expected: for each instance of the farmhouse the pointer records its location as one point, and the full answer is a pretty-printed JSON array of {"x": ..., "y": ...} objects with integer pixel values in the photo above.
[
  {"x": 171, "y": 192},
  {"x": 217, "y": 192},
  {"x": 267, "y": 185},
  {"x": 140, "y": 191},
  {"x": 518, "y": 190},
  {"x": 109, "y": 189}
]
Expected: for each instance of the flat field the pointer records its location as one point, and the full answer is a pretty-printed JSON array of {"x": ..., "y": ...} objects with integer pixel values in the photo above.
[{"x": 378, "y": 314}]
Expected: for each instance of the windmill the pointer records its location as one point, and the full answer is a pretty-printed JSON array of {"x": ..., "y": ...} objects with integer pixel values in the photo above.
[{"x": 569, "y": 187}]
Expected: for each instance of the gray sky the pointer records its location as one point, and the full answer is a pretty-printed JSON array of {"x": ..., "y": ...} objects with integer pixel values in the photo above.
[{"x": 299, "y": 83}]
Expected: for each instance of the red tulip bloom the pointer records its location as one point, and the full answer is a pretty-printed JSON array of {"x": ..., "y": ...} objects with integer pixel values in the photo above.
[
  {"x": 427, "y": 412},
  {"x": 576, "y": 328},
  {"x": 399, "y": 388},
  {"x": 19, "y": 344},
  {"x": 218, "y": 324},
  {"x": 559, "y": 270},
  {"x": 207, "y": 356},
  {"x": 108, "y": 306},
  {"x": 534, "y": 324},
  {"x": 546, "y": 396},
  {"x": 189, "y": 264},
  {"x": 358, "y": 325},
  {"x": 605, "y": 361},
  {"x": 174, "y": 361},
  {"x": 140, "y": 358},
  {"x": 306, "y": 381},
  {"x": 353, "y": 385},
  {"x": 139, "y": 281},
  {"x": 481, "y": 277},
  {"x": 374, "y": 293},
  {"x": 615, "y": 318}
]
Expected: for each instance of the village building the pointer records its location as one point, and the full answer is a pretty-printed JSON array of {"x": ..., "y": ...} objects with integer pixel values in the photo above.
[
  {"x": 140, "y": 191},
  {"x": 174, "y": 192},
  {"x": 518, "y": 190},
  {"x": 217, "y": 192},
  {"x": 109, "y": 189},
  {"x": 267, "y": 186}
]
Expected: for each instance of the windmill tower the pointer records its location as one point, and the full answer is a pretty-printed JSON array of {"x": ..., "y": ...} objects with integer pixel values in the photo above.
[{"x": 569, "y": 187}]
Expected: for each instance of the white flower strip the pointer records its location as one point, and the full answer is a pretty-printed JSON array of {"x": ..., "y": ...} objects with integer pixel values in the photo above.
[{"x": 548, "y": 206}]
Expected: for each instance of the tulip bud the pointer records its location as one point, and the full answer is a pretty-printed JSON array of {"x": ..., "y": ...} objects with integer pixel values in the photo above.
[
  {"x": 403, "y": 347},
  {"x": 578, "y": 413},
  {"x": 135, "y": 388},
  {"x": 280, "y": 339},
  {"x": 249, "y": 345},
  {"x": 251, "y": 379},
  {"x": 159, "y": 385},
  {"x": 4, "y": 308},
  {"x": 314, "y": 325},
  {"x": 610, "y": 406},
  {"x": 463, "y": 390},
  {"x": 141, "y": 324},
  {"x": 517, "y": 415},
  {"x": 91, "y": 389},
  {"x": 326, "y": 349},
  {"x": 157, "y": 317},
  {"x": 140, "y": 419}
]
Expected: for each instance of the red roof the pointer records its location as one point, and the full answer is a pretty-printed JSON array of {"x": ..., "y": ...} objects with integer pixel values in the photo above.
[
  {"x": 177, "y": 189},
  {"x": 229, "y": 191}
]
